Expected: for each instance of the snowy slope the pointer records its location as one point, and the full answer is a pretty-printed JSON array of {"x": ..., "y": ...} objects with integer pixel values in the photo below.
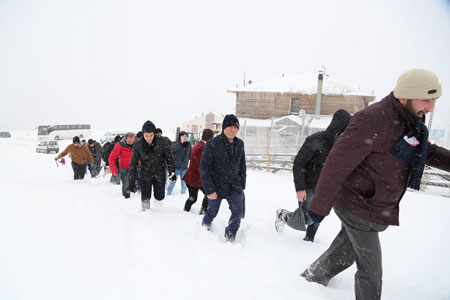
[{"x": 62, "y": 239}]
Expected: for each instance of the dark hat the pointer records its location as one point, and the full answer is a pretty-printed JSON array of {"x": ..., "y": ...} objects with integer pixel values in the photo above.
[
  {"x": 117, "y": 138},
  {"x": 230, "y": 120},
  {"x": 90, "y": 141},
  {"x": 76, "y": 140},
  {"x": 158, "y": 130},
  {"x": 139, "y": 135},
  {"x": 148, "y": 127}
]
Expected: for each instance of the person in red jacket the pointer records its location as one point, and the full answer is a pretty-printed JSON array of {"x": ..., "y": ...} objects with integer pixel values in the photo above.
[
  {"x": 192, "y": 177},
  {"x": 122, "y": 150}
]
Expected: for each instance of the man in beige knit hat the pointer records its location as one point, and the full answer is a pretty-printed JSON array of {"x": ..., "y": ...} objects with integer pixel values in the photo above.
[{"x": 383, "y": 151}]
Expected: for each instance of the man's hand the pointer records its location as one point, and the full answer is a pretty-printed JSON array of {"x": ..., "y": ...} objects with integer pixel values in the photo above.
[
  {"x": 172, "y": 177},
  {"x": 301, "y": 196},
  {"x": 56, "y": 158},
  {"x": 212, "y": 196},
  {"x": 315, "y": 218}
]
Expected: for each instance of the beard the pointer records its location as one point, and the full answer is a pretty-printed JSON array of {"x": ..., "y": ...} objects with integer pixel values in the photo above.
[{"x": 417, "y": 113}]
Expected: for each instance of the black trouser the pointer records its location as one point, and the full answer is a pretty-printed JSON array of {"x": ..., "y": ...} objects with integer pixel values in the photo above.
[
  {"x": 193, "y": 195},
  {"x": 158, "y": 186},
  {"x": 358, "y": 242},
  {"x": 124, "y": 173},
  {"x": 78, "y": 170}
]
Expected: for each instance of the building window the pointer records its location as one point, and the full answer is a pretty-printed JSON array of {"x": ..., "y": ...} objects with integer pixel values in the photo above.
[{"x": 295, "y": 106}]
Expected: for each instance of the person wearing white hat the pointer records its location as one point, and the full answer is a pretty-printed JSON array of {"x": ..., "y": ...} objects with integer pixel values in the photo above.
[{"x": 383, "y": 151}]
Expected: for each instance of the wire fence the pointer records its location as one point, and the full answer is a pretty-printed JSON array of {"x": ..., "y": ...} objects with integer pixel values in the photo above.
[{"x": 275, "y": 162}]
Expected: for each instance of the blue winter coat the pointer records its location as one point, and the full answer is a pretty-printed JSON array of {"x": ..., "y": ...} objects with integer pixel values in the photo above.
[
  {"x": 181, "y": 154},
  {"x": 222, "y": 167}
]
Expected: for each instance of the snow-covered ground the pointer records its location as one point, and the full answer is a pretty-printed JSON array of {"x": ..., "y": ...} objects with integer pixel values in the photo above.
[{"x": 62, "y": 239}]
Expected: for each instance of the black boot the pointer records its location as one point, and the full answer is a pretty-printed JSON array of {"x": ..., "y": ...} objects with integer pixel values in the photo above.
[
  {"x": 188, "y": 205},
  {"x": 204, "y": 206}
]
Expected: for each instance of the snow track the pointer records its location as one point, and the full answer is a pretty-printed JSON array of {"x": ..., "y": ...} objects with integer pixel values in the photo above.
[{"x": 62, "y": 239}]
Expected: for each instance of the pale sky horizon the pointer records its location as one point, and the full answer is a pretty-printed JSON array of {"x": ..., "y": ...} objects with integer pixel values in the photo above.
[{"x": 116, "y": 64}]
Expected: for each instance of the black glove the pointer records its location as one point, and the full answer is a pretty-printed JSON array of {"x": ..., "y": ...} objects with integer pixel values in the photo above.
[
  {"x": 172, "y": 177},
  {"x": 315, "y": 218},
  {"x": 115, "y": 179},
  {"x": 132, "y": 186}
]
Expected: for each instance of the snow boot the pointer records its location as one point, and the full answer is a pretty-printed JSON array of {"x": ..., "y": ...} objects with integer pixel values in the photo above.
[
  {"x": 145, "y": 205},
  {"x": 230, "y": 238},
  {"x": 308, "y": 239},
  {"x": 311, "y": 278},
  {"x": 207, "y": 226},
  {"x": 280, "y": 220},
  {"x": 204, "y": 206},
  {"x": 188, "y": 204}
]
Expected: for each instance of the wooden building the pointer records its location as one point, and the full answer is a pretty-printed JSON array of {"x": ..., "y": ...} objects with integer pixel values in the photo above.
[{"x": 288, "y": 95}]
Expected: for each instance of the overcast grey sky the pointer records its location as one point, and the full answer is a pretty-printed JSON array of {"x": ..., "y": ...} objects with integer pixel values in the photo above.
[{"x": 117, "y": 63}]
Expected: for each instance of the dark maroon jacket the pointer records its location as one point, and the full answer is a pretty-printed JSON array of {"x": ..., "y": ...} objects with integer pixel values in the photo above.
[
  {"x": 362, "y": 174},
  {"x": 192, "y": 176}
]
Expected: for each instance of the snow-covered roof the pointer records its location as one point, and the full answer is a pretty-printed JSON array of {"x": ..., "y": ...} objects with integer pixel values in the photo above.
[
  {"x": 293, "y": 118},
  {"x": 303, "y": 84},
  {"x": 321, "y": 123}
]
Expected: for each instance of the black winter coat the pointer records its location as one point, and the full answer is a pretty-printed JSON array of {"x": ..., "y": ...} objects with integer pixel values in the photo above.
[
  {"x": 222, "y": 166},
  {"x": 181, "y": 154},
  {"x": 152, "y": 159},
  {"x": 107, "y": 152},
  {"x": 96, "y": 152},
  {"x": 312, "y": 155}
]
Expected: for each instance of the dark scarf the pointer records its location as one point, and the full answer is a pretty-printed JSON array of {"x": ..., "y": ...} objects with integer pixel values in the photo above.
[{"x": 414, "y": 156}]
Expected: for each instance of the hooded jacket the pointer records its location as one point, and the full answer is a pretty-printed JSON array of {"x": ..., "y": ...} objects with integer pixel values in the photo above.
[
  {"x": 152, "y": 159},
  {"x": 362, "y": 174},
  {"x": 312, "y": 155},
  {"x": 123, "y": 151},
  {"x": 192, "y": 176},
  {"x": 222, "y": 166}
]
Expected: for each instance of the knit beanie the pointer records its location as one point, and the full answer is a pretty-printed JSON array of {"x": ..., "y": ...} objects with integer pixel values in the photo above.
[
  {"x": 90, "y": 141},
  {"x": 76, "y": 140},
  {"x": 230, "y": 120},
  {"x": 418, "y": 84},
  {"x": 148, "y": 127}
]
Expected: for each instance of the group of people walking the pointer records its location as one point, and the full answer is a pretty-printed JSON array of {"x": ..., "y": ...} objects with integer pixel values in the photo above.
[
  {"x": 360, "y": 166},
  {"x": 216, "y": 166}
]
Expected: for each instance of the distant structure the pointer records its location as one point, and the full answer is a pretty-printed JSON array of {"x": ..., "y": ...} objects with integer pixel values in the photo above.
[
  {"x": 197, "y": 125},
  {"x": 289, "y": 94}
]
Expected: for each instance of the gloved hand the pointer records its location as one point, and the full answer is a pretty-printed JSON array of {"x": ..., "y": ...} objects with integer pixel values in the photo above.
[
  {"x": 315, "y": 218},
  {"x": 115, "y": 179},
  {"x": 132, "y": 186},
  {"x": 172, "y": 177}
]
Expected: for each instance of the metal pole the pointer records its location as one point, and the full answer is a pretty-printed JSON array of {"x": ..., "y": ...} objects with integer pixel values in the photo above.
[{"x": 319, "y": 93}]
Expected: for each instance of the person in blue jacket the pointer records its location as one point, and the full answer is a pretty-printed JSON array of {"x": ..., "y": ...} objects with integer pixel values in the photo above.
[
  {"x": 181, "y": 151},
  {"x": 223, "y": 174}
]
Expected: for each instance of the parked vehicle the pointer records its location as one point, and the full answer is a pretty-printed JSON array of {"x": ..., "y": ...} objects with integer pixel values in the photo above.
[
  {"x": 5, "y": 134},
  {"x": 61, "y": 132},
  {"x": 47, "y": 147},
  {"x": 109, "y": 136}
]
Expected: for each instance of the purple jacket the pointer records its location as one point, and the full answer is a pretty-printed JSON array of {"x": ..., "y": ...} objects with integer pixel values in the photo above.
[{"x": 362, "y": 174}]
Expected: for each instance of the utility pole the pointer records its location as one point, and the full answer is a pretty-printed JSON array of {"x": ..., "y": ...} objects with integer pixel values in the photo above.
[{"x": 319, "y": 93}]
